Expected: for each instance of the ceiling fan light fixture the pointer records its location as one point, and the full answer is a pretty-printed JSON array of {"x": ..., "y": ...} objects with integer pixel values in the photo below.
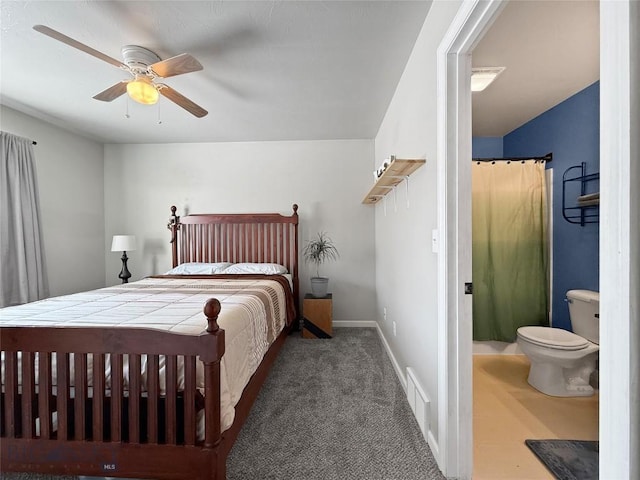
[
  {"x": 142, "y": 91},
  {"x": 144, "y": 66}
]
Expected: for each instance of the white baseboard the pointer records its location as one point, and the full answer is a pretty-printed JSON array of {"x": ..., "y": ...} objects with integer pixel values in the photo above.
[
  {"x": 431, "y": 440},
  {"x": 496, "y": 348},
  {"x": 433, "y": 445},
  {"x": 394, "y": 362},
  {"x": 355, "y": 323}
]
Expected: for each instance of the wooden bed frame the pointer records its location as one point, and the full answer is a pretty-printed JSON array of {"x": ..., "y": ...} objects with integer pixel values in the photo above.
[{"x": 131, "y": 433}]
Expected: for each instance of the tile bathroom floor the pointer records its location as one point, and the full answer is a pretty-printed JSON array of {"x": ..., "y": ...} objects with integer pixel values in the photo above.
[{"x": 507, "y": 411}]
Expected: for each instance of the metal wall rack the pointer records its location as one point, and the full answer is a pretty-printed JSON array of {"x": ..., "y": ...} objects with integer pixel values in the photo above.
[{"x": 572, "y": 210}]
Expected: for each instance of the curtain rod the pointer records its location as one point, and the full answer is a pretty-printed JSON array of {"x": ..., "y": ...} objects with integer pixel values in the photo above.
[{"x": 547, "y": 158}]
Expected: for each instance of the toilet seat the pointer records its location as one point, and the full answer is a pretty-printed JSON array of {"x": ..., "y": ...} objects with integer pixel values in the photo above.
[{"x": 556, "y": 338}]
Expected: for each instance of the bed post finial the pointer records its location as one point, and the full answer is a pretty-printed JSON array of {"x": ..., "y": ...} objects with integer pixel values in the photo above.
[
  {"x": 174, "y": 226},
  {"x": 174, "y": 220},
  {"x": 211, "y": 311},
  {"x": 295, "y": 208}
]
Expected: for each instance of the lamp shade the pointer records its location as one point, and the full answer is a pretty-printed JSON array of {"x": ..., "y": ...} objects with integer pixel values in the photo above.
[{"x": 123, "y": 243}]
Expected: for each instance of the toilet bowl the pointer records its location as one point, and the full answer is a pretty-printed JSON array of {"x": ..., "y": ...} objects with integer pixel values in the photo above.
[{"x": 561, "y": 361}]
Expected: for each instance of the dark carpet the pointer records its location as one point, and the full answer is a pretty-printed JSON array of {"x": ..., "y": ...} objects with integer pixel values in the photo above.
[
  {"x": 329, "y": 410},
  {"x": 568, "y": 459},
  {"x": 332, "y": 409}
]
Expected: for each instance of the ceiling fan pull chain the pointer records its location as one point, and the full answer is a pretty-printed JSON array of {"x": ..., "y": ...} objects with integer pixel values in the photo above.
[
  {"x": 126, "y": 112},
  {"x": 159, "y": 117}
]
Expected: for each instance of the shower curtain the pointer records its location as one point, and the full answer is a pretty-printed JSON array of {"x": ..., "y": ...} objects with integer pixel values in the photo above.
[{"x": 510, "y": 266}]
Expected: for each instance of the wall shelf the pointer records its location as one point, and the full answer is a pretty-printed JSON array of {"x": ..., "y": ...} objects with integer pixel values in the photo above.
[
  {"x": 395, "y": 173},
  {"x": 584, "y": 207}
]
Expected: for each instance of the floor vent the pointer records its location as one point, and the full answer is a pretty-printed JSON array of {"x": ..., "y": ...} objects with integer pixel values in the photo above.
[{"x": 418, "y": 401}]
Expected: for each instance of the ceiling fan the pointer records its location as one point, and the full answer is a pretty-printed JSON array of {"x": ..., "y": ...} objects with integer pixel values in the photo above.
[{"x": 145, "y": 68}]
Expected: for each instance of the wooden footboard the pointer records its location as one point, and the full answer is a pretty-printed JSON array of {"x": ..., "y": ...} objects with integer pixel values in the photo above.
[
  {"x": 77, "y": 401},
  {"x": 62, "y": 414}
]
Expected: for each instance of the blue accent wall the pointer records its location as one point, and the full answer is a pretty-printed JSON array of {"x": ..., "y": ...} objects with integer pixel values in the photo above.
[
  {"x": 487, "y": 147},
  {"x": 571, "y": 131}
]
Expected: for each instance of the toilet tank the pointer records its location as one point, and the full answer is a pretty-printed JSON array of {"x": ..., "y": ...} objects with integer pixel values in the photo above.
[{"x": 584, "y": 311}]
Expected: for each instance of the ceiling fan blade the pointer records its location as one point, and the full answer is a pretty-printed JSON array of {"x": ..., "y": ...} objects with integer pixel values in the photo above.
[
  {"x": 112, "y": 92},
  {"x": 182, "y": 101},
  {"x": 183, "y": 63},
  {"x": 50, "y": 32}
]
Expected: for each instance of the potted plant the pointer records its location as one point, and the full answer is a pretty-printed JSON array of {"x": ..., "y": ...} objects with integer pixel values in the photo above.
[{"x": 319, "y": 250}]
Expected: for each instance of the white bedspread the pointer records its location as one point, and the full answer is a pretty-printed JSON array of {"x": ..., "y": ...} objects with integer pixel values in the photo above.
[{"x": 177, "y": 305}]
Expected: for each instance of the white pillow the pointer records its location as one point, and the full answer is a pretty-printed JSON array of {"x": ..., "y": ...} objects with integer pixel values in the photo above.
[
  {"x": 198, "y": 268},
  {"x": 262, "y": 268}
]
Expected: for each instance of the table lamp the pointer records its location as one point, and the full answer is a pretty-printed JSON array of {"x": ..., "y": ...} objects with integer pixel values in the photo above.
[{"x": 124, "y": 244}]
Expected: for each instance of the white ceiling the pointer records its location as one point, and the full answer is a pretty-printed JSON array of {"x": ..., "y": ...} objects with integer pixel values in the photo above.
[
  {"x": 273, "y": 70},
  {"x": 279, "y": 70},
  {"x": 551, "y": 51}
]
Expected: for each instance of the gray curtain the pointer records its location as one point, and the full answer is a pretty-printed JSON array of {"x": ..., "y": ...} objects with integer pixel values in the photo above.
[{"x": 22, "y": 268}]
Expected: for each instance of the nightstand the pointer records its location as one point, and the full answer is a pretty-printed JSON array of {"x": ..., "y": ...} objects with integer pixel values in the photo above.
[{"x": 317, "y": 316}]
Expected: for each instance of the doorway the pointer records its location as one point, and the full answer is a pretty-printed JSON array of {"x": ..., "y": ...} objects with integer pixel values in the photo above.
[
  {"x": 621, "y": 261},
  {"x": 520, "y": 116}
]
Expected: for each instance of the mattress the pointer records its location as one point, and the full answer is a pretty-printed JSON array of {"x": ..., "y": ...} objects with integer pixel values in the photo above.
[{"x": 254, "y": 311}]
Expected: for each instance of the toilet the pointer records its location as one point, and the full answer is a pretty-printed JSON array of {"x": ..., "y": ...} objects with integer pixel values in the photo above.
[{"x": 561, "y": 361}]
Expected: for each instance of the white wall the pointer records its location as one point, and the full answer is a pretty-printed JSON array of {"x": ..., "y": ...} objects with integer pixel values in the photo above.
[
  {"x": 327, "y": 179},
  {"x": 70, "y": 179},
  {"x": 406, "y": 268},
  {"x": 634, "y": 361}
]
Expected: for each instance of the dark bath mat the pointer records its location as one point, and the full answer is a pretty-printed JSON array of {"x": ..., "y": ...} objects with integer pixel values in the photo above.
[{"x": 568, "y": 459}]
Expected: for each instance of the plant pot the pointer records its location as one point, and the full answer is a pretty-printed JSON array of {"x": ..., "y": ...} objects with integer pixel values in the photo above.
[{"x": 319, "y": 286}]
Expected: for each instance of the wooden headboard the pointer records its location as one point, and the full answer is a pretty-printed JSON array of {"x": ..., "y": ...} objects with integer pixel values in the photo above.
[{"x": 244, "y": 237}]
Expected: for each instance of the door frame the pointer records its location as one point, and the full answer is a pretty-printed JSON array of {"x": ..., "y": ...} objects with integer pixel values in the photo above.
[
  {"x": 619, "y": 229},
  {"x": 455, "y": 440}
]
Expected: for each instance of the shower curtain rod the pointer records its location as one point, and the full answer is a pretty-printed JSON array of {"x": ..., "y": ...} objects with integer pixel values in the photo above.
[{"x": 547, "y": 158}]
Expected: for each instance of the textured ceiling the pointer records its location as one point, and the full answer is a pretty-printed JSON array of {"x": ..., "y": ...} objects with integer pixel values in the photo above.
[
  {"x": 551, "y": 51},
  {"x": 273, "y": 70},
  {"x": 279, "y": 70}
]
